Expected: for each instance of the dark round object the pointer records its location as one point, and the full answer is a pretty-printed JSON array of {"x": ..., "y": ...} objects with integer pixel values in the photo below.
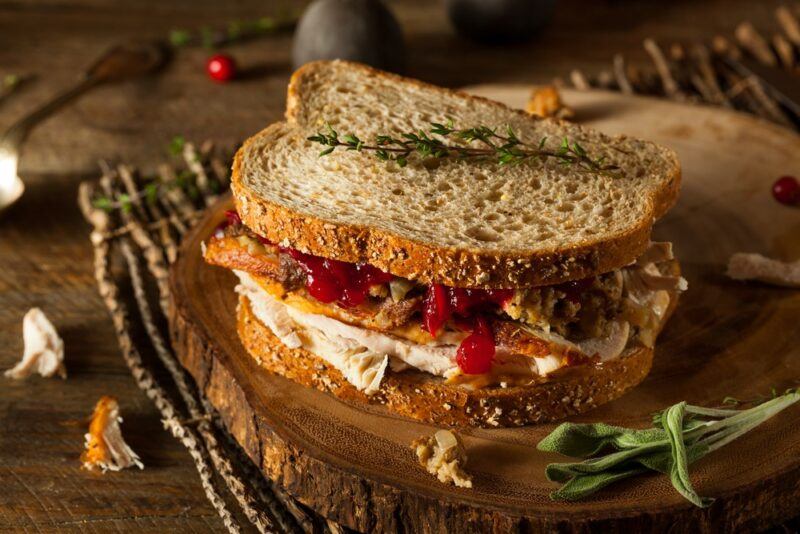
[
  {"x": 356, "y": 30},
  {"x": 499, "y": 21}
]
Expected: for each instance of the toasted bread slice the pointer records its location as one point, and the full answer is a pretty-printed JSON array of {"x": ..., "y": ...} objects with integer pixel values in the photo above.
[
  {"x": 422, "y": 396},
  {"x": 459, "y": 222}
]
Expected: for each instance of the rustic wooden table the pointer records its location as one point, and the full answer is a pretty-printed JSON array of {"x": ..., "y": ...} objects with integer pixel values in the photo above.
[{"x": 45, "y": 257}]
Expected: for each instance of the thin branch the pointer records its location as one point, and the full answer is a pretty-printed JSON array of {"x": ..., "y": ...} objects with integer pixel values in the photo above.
[
  {"x": 579, "y": 80},
  {"x": 789, "y": 24},
  {"x": 670, "y": 86},
  {"x": 622, "y": 77},
  {"x": 752, "y": 41},
  {"x": 145, "y": 380}
]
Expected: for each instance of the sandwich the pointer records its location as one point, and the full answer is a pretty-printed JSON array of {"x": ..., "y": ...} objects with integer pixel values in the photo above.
[{"x": 455, "y": 260}]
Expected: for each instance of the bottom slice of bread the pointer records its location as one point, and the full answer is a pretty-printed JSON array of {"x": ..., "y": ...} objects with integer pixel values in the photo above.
[{"x": 428, "y": 398}]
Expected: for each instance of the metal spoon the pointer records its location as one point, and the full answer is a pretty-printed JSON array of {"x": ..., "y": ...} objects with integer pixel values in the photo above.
[{"x": 119, "y": 63}]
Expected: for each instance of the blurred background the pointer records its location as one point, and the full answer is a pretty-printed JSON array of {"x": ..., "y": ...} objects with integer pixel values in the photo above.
[{"x": 53, "y": 42}]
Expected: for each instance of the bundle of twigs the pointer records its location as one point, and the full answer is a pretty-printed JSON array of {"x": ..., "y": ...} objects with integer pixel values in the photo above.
[
  {"x": 137, "y": 222},
  {"x": 693, "y": 72}
]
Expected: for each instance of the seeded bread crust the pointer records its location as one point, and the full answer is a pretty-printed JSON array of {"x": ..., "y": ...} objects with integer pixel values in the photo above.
[
  {"x": 421, "y": 396},
  {"x": 429, "y": 262}
]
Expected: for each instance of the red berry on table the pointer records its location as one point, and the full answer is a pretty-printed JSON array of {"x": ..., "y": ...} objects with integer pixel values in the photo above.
[
  {"x": 221, "y": 67},
  {"x": 786, "y": 190}
]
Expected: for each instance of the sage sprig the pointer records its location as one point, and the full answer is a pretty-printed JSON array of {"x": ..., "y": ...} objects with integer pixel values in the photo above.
[
  {"x": 504, "y": 148},
  {"x": 682, "y": 434}
]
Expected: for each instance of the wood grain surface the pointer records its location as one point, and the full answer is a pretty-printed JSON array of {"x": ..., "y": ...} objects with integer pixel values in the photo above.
[
  {"x": 45, "y": 256},
  {"x": 354, "y": 464}
]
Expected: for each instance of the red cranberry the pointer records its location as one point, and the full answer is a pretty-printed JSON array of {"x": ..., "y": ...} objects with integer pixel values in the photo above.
[
  {"x": 332, "y": 280},
  {"x": 464, "y": 299},
  {"x": 322, "y": 286},
  {"x": 221, "y": 68},
  {"x": 786, "y": 190},
  {"x": 436, "y": 308},
  {"x": 233, "y": 217},
  {"x": 372, "y": 275},
  {"x": 476, "y": 352}
]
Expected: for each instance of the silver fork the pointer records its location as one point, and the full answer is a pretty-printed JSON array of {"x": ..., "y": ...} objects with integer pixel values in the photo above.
[{"x": 118, "y": 63}]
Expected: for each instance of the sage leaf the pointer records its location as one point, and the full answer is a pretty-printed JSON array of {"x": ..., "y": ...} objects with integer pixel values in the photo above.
[
  {"x": 672, "y": 421},
  {"x": 681, "y": 435},
  {"x": 582, "y": 486},
  {"x": 584, "y": 440}
]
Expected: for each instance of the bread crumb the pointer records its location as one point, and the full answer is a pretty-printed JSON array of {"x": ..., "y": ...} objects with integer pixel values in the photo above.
[
  {"x": 443, "y": 455},
  {"x": 743, "y": 266},
  {"x": 105, "y": 447},
  {"x": 44, "y": 348},
  {"x": 545, "y": 101}
]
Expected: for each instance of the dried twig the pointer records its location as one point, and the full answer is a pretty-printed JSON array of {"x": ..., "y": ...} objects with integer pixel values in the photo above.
[
  {"x": 789, "y": 24},
  {"x": 752, "y": 41},
  {"x": 197, "y": 412},
  {"x": 149, "y": 211},
  {"x": 605, "y": 80},
  {"x": 621, "y": 75},
  {"x": 195, "y": 164},
  {"x": 120, "y": 317},
  {"x": 723, "y": 47},
  {"x": 133, "y": 224},
  {"x": 671, "y": 88},
  {"x": 579, "y": 80},
  {"x": 784, "y": 50},
  {"x": 702, "y": 60}
]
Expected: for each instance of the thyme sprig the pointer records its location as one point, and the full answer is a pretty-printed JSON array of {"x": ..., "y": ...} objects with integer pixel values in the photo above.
[
  {"x": 235, "y": 31},
  {"x": 505, "y": 148},
  {"x": 682, "y": 434}
]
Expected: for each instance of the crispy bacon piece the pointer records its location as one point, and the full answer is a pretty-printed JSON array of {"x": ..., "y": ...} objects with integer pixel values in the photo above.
[{"x": 231, "y": 253}]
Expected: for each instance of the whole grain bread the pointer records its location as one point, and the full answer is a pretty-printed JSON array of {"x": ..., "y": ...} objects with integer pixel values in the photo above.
[
  {"x": 422, "y": 396},
  {"x": 460, "y": 222}
]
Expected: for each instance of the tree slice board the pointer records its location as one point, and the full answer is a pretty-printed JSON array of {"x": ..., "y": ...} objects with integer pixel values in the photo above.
[{"x": 353, "y": 464}]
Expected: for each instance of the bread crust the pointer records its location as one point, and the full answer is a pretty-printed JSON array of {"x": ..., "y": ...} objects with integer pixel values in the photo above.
[
  {"x": 421, "y": 396},
  {"x": 459, "y": 267}
]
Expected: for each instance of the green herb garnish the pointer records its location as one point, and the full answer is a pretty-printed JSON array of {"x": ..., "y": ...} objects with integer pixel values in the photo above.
[
  {"x": 234, "y": 31},
  {"x": 176, "y": 145},
  {"x": 682, "y": 435},
  {"x": 11, "y": 80},
  {"x": 504, "y": 148}
]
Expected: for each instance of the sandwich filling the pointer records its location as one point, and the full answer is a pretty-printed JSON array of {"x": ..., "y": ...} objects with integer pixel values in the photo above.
[{"x": 364, "y": 322}]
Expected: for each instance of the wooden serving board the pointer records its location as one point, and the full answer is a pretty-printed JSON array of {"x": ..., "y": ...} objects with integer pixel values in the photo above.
[{"x": 353, "y": 464}]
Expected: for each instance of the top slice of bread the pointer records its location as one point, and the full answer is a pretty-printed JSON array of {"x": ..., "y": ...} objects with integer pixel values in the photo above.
[{"x": 463, "y": 223}]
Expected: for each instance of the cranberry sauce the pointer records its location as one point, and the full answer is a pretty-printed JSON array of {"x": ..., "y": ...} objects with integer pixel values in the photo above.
[
  {"x": 465, "y": 307},
  {"x": 443, "y": 303},
  {"x": 348, "y": 285},
  {"x": 329, "y": 280},
  {"x": 476, "y": 352}
]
